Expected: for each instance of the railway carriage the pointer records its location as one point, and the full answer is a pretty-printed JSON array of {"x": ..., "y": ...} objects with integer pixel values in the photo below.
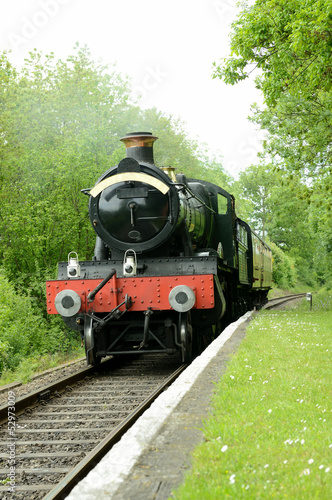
[{"x": 172, "y": 266}]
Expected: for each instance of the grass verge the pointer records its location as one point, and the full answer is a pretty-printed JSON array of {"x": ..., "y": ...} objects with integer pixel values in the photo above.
[
  {"x": 34, "y": 365},
  {"x": 270, "y": 432}
]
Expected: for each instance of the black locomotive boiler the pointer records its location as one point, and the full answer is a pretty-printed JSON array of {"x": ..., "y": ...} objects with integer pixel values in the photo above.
[{"x": 173, "y": 264}]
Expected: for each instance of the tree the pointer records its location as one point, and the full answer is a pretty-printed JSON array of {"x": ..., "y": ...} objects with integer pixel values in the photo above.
[
  {"x": 289, "y": 40},
  {"x": 59, "y": 125},
  {"x": 281, "y": 214},
  {"x": 256, "y": 183},
  {"x": 289, "y": 43},
  {"x": 61, "y": 122}
]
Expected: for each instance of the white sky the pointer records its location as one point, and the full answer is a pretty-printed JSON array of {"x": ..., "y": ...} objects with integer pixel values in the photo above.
[{"x": 166, "y": 47}]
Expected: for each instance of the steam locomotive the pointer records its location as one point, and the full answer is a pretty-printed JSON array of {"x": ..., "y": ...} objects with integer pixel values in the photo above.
[{"x": 172, "y": 266}]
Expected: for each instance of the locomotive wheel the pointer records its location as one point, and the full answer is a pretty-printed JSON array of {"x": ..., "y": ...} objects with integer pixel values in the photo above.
[
  {"x": 186, "y": 336},
  {"x": 89, "y": 340}
]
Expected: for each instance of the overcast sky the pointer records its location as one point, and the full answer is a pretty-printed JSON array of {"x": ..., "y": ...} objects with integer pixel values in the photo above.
[{"x": 166, "y": 47}]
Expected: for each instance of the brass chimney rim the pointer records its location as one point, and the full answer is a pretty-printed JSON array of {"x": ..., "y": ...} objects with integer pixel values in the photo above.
[{"x": 139, "y": 139}]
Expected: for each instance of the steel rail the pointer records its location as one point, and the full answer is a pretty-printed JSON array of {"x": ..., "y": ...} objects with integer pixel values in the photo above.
[
  {"x": 44, "y": 393},
  {"x": 62, "y": 489},
  {"x": 281, "y": 300}
]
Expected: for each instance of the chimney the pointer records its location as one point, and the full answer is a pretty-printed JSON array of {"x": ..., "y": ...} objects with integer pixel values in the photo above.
[{"x": 139, "y": 145}]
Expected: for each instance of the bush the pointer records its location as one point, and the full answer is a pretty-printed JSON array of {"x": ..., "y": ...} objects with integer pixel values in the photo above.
[
  {"x": 284, "y": 273},
  {"x": 322, "y": 300},
  {"x": 23, "y": 329}
]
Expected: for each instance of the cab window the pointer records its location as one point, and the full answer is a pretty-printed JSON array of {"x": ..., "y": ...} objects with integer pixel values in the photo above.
[{"x": 222, "y": 204}]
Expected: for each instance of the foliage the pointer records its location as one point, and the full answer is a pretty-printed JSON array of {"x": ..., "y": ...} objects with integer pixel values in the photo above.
[
  {"x": 279, "y": 211},
  {"x": 56, "y": 134},
  {"x": 256, "y": 184},
  {"x": 213, "y": 171},
  {"x": 288, "y": 40},
  {"x": 60, "y": 129},
  {"x": 61, "y": 123},
  {"x": 289, "y": 43},
  {"x": 24, "y": 331},
  {"x": 36, "y": 363},
  {"x": 322, "y": 300},
  {"x": 284, "y": 271}
]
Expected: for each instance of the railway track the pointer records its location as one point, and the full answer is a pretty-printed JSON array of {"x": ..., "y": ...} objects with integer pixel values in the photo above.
[
  {"x": 63, "y": 430},
  {"x": 274, "y": 303}
]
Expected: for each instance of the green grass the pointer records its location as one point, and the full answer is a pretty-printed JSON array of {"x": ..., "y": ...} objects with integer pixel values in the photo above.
[
  {"x": 33, "y": 365},
  {"x": 270, "y": 432}
]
